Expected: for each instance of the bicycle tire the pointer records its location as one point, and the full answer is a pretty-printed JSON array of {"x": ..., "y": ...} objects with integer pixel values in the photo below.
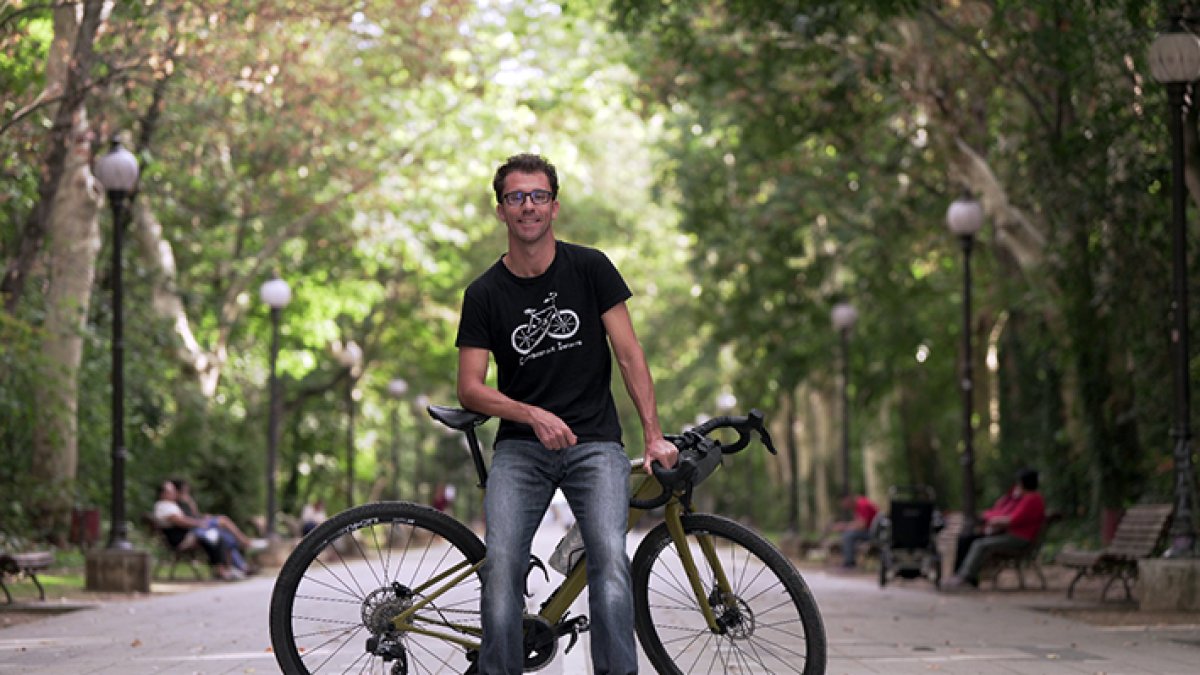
[
  {"x": 338, "y": 587},
  {"x": 774, "y": 627}
]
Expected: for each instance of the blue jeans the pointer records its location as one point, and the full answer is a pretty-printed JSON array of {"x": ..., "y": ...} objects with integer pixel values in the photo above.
[
  {"x": 594, "y": 477},
  {"x": 223, "y": 540},
  {"x": 850, "y": 540}
]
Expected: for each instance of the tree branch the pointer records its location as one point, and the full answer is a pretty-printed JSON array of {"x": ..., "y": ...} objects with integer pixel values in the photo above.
[
  {"x": 1014, "y": 230},
  {"x": 1005, "y": 73},
  {"x": 8, "y": 18},
  {"x": 75, "y": 89},
  {"x": 45, "y": 98}
]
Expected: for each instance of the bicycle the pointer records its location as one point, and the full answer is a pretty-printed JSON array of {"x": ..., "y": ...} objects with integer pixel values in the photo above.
[
  {"x": 559, "y": 324},
  {"x": 394, "y": 587}
]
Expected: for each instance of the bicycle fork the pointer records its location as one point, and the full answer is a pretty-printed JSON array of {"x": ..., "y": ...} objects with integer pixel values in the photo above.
[{"x": 723, "y": 591}]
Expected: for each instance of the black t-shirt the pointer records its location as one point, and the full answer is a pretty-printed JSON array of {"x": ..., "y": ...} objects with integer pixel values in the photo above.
[{"x": 548, "y": 340}]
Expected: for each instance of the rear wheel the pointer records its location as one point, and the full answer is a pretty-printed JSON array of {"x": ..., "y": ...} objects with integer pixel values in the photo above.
[
  {"x": 335, "y": 596},
  {"x": 769, "y": 624}
]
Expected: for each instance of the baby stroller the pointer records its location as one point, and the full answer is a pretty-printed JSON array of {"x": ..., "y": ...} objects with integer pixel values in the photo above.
[{"x": 906, "y": 536}]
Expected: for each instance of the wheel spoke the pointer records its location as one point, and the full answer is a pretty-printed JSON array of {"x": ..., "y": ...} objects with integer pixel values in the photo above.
[
  {"x": 342, "y": 586},
  {"x": 770, "y": 624}
]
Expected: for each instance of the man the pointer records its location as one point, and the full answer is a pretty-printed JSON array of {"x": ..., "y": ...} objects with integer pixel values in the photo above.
[
  {"x": 544, "y": 311},
  {"x": 1011, "y": 525},
  {"x": 863, "y": 512}
]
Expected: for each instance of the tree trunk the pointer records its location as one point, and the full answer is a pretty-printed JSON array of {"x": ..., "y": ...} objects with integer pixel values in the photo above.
[
  {"x": 157, "y": 255},
  {"x": 68, "y": 70},
  {"x": 72, "y": 246},
  {"x": 815, "y": 468},
  {"x": 876, "y": 450},
  {"x": 66, "y": 235}
]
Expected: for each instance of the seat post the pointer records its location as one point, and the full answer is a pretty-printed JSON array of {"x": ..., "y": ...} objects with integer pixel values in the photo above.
[{"x": 477, "y": 457}]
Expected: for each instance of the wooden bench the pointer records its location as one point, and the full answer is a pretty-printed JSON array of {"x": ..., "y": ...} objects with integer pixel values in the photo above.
[
  {"x": 28, "y": 564},
  {"x": 1028, "y": 559},
  {"x": 1139, "y": 535},
  {"x": 865, "y": 552}
]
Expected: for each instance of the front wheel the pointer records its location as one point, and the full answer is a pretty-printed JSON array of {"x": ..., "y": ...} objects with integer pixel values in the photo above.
[
  {"x": 768, "y": 624},
  {"x": 335, "y": 596}
]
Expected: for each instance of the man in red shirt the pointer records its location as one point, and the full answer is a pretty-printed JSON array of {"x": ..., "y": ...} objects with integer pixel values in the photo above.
[
  {"x": 855, "y": 530},
  {"x": 1011, "y": 525}
]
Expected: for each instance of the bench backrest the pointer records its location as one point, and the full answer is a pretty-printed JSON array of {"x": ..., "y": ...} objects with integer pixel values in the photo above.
[{"x": 1140, "y": 531}]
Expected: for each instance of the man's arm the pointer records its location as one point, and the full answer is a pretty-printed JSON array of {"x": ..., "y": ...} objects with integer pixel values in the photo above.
[
  {"x": 635, "y": 372},
  {"x": 474, "y": 394}
]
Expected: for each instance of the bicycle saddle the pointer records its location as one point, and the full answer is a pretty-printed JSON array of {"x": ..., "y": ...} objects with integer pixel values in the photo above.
[{"x": 456, "y": 418}]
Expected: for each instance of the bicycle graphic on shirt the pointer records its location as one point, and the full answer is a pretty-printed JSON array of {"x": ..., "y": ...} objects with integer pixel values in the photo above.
[{"x": 552, "y": 321}]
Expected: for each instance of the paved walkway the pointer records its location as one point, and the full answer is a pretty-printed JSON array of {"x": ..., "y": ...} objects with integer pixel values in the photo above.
[{"x": 904, "y": 628}]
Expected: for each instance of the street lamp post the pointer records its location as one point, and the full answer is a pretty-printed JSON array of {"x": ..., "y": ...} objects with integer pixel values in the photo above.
[
  {"x": 117, "y": 171},
  {"x": 844, "y": 315},
  {"x": 396, "y": 388},
  {"x": 965, "y": 218},
  {"x": 276, "y": 293},
  {"x": 350, "y": 358},
  {"x": 1175, "y": 61}
]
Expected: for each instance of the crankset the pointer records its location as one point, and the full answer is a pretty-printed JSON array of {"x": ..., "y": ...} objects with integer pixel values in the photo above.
[{"x": 541, "y": 642}]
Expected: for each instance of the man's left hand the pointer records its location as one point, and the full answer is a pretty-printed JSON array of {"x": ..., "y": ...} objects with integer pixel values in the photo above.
[{"x": 662, "y": 451}]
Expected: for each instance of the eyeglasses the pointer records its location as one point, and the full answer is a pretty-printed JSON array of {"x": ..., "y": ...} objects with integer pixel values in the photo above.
[{"x": 517, "y": 197}]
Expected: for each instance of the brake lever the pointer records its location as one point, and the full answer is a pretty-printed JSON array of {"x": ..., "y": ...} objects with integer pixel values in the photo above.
[{"x": 757, "y": 419}]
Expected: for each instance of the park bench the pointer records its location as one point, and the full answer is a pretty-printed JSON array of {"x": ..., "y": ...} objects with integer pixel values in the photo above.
[
  {"x": 28, "y": 564},
  {"x": 188, "y": 552},
  {"x": 865, "y": 552},
  {"x": 1139, "y": 535},
  {"x": 1028, "y": 559}
]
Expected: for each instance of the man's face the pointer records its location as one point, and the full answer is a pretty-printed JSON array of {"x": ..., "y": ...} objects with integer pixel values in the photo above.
[{"x": 527, "y": 222}]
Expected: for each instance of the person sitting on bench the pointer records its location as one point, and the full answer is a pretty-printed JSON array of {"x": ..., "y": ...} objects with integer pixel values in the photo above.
[
  {"x": 177, "y": 527},
  {"x": 858, "y": 529},
  {"x": 235, "y": 540},
  {"x": 1011, "y": 525}
]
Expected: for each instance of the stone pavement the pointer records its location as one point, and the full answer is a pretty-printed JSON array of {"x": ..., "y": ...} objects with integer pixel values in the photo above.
[{"x": 904, "y": 628}]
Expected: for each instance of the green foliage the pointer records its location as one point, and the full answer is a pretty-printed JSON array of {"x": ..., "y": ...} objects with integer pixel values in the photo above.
[
  {"x": 745, "y": 164},
  {"x": 815, "y": 147},
  {"x": 19, "y": 360}
]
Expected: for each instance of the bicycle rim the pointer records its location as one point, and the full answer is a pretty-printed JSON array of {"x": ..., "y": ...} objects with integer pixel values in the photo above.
[
  {"x": 771, "y": 623},
  {"x": 335, "y": 595}
]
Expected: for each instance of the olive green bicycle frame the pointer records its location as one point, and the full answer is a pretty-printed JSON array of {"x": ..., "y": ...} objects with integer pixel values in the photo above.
[{"x": 557, "y": 605}]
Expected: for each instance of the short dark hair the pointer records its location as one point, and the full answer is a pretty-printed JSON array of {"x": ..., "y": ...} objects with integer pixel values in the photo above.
[
  {"x": 1028, "y": 478},
  {"x": 525, "y": 163}
]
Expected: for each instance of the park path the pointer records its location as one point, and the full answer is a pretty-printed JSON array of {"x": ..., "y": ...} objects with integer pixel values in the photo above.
[{"x": 904, "y": 628}]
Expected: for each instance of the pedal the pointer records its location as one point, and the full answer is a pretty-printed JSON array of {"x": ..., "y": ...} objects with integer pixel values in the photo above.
[{"x": 573, "y": 627}]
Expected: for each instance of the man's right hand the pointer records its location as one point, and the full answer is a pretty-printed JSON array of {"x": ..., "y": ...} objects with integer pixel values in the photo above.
[{"x": 550, "y": 429}]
